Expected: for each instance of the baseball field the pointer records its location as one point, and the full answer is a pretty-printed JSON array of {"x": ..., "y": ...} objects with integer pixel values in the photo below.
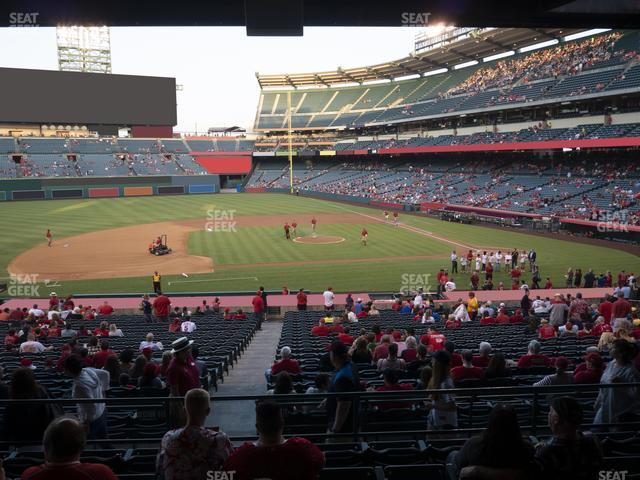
[{"x": 236, "y": 242}]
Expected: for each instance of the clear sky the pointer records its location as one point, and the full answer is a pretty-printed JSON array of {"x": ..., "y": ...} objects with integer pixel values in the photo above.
[{"x": 217, "y": 66}]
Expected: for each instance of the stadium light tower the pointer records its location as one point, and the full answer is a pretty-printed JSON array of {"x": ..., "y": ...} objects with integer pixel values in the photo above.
[{"x": 84, "y": 49}]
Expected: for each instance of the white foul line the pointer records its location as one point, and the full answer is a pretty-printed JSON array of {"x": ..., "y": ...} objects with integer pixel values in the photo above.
[
  {"x": 215, "y": 280},
  {"x": 417, "y": 230}
]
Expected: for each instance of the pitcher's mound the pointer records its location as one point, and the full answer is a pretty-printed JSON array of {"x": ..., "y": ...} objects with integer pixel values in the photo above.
[{"x": 319, "y": 239}]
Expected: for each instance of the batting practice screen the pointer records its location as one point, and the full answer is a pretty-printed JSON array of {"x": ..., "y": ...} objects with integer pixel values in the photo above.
[{"x": 47, "y": 96}]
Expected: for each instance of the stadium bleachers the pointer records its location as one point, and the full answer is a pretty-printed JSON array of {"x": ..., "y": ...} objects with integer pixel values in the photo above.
[{"x": 605, "y": 62}]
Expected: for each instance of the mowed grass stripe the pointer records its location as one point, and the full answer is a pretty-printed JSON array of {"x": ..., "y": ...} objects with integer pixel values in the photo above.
[{"x": 30, "y": 219}]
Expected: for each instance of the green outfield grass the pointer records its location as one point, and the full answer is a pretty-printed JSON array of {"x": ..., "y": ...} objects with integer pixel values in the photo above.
[{"x": 245, "y": 255}]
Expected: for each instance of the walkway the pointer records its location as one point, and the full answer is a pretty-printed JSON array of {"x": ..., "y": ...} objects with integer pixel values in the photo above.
[{"x": 246, "y": 378}]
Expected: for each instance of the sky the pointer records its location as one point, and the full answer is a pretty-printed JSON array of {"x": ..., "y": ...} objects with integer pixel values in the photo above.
[{"x": 217, "y": 66}]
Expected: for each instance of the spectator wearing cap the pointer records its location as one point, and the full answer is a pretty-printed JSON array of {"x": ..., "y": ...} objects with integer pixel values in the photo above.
[
  {"x": 182, "y": 375},
  {"x": 24, "y": 421},
  {"x": 484, "y": 355},
  {"x": 193, "y": 451},
  {"x": 273, "y": 456},
  {"x": 329, "y": 298},
  {"x": 568, "y": 329},
  {"x": 89, "y": 383},
  {"x": 64, "y": 440},
  {"x": 345, "y": 379},
  {"x": 561, "y": 377},
  {"x": 617, "y": 404},
  {"x": 75, "y": 314},
  {"x": 569, "y": 453},
  {"x": 466, "y": 370},
  {"x": 286, "y": 363},
  {"x": 590, "y": 371},
  {"x": 443, "y": 412},
  {"x": 533, "y": 358}
]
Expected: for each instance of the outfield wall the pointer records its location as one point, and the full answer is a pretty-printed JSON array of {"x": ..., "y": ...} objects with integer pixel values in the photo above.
[{"x": 106, "y": 187}]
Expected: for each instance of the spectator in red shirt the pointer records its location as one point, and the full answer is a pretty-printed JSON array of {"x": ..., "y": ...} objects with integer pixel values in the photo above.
[
  {"x": 272, "y": 456},
  {"x": 533, "y": 358},
  {"x": 301, "y": 298},
  {"x": 5, "y": 314},
  {"x": 456, "y": 358},
  {"x": 286, "y": 363},
  {"x": 102, "y": 330},
  {"x": 17, "y": 315},
  {"x": 606, "y": 308},
  {"x": 546, "y": 331},
  {"x": 11, "y": 338},
  {"x": 484, "y": 355},
  {"x": 320, "y": 330},
  {"x": 516, "y": 317},
  {"x": 240, "y": 315},
  {"x": 467, "y": 370},
  {"x": 54, "y": 301},
  {"x": 433, "y": 340},
  {"x": 182, "y": 376},
  {"x": 591, "y": 370},
  {"x": 345, "y": 337},
  {"x": 161, "y": 306},
  {"x": 452, "y": 322},
  {"x": 258, "y": 306},
  {"x": 621, "y": 308},
  {"x": 105, "y": 309},
  {"x": 382, "y": 350},
  {"x": 100, "y": 358},
  {"x": 487, "y": 319},
  {"x": 391, "y": 379},
  {"x": 64, "y": 440},
  {"x": 601, "y": 326},
  {"x": 502, "y": 317},
  {"x": 548, "y": 285}
]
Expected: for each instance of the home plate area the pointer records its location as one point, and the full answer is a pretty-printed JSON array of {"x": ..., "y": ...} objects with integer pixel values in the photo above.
[{"x": 319, "y": 239}]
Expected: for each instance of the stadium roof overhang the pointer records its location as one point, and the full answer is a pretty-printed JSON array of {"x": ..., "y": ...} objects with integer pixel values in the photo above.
[{"x": 465, "y": 46}]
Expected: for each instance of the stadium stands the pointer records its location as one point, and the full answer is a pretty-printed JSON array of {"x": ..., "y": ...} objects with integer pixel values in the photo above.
[{"x": 574, "y": 69}]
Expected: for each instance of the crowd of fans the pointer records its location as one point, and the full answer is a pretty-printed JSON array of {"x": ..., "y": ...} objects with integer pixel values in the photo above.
[{"x": 566, "y": 59}]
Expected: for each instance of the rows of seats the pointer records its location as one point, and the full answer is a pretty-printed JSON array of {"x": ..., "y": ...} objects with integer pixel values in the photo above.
[{"x": 609, "y": 68}]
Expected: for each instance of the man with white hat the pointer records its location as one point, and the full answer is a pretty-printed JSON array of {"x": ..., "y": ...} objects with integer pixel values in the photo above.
[{"x": 182, "y": 376}]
